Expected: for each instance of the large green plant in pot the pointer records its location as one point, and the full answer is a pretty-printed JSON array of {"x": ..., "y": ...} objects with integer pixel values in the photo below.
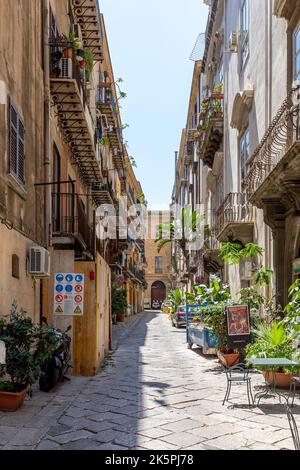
[
  {"x": 118, "y": 301},
  {"x": 272, "y": 341},
  {"x": 28, "y": 346}
]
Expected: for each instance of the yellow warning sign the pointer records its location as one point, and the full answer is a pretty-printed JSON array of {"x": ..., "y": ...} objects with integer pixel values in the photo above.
[
  {"x": 59, "y": 309},
  {"x": 77, "y": 309}
]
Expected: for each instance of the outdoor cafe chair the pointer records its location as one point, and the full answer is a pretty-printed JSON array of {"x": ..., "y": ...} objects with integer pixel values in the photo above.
[
  {"x": 293, "y": 428},
  {"x": 238, "y": 374},
  {"x": 295, "y": 382}
]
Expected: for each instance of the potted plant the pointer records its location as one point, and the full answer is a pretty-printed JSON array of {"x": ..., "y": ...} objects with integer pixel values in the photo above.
[
  {"x": 119, "y": 302},
  {"x": 73, "y": 43},
  {"x": 217, "y": 296},
  {"x": 89, "y": 58},
  {"x": 204, "y": 107},
  {"x": 214, "y": 318},
  {"x": 273, "y": 341},
  {"x": 218, "y": 91},
  {"x": 27, "y": 347}
]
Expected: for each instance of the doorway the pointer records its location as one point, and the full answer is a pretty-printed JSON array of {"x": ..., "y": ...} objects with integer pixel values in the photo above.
[{"x": 158, "y": 295}]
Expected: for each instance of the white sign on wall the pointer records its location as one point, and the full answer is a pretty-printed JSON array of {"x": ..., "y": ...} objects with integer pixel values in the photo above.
[
  {"x": 68, "y": 294},
  {"x": 2, "y": 353}
]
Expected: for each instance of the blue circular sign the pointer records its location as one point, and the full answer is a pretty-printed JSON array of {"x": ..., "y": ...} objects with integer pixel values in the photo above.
[
  {"x": 59, "y": 288},
  {"x": 69, "y": 278},
  {"x": 79, "y": 278},
  {"x": 59, "y": 278},
  {"x": 69, "y": 288}
]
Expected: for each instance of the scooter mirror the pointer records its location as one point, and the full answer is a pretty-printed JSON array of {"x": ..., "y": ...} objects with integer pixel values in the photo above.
[{"x": 69, "y": 328}]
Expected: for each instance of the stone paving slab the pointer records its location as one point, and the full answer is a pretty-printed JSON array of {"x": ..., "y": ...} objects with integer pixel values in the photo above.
[{"x": 152, "y": 394}]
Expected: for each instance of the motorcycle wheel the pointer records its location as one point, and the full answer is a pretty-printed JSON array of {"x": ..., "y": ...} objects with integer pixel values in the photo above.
[{"x": 49, "y": 379}]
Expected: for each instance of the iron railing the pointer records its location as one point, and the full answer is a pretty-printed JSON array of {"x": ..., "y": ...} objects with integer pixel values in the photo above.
[
  {"x": 236, "y": 209},
  {"x": 64, "y": 68},
  {"x": 280, "y": 136},
  {"x": 69, "y": 218},
  {"x": 189, "y": 152}
]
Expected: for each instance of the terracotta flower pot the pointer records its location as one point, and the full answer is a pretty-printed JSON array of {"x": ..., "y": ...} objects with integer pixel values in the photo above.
[
  {"x": 282, "y": 379},
  {"x": 228, "y": 360},
  {"x": 68, "y": 53},
  {"x": 120, "y": 317},
  {"x": 12, "y": 401}
]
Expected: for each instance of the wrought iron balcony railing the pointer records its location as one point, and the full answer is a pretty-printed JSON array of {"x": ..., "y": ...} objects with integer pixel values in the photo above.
[
  {"x": 64, "y": 67},
  {"x": 211, "y": 127},
  {"x": 70, "y": 220},
  {"x": 235, "y": 211},
  {"x": 280, "y": 136},
  {"x": 189, "y": 152}
]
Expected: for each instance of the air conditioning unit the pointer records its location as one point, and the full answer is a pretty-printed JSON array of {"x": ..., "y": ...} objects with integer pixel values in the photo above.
[
  {"x": 233, "y": 41},
  {"x": 39, "y": 262},
  {"x": 76, "y": 28},
  {"x": 66, "y": 68}
]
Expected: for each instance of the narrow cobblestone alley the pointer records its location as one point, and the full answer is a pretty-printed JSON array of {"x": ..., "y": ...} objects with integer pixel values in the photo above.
[{"x": 153, "y": 394}]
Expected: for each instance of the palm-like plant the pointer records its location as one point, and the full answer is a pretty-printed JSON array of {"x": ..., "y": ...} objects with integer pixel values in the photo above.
[
  {"x": 180, "y": 231},
  {"x": 174, "y": 299},
  {"x": 271, "y": 341}
]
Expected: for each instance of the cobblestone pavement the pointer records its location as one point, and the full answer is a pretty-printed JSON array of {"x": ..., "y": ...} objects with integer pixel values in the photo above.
[{"x": 154, "y": 394}]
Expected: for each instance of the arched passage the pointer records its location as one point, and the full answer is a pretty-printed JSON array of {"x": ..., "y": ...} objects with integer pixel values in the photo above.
[{"x": 158, "y": 295}]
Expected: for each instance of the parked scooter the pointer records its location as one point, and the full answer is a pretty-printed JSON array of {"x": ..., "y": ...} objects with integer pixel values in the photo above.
[{"x": 54, "y": 370}]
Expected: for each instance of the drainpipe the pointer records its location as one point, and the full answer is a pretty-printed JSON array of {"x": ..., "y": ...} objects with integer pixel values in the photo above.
[{"x": 47, "y": 162}]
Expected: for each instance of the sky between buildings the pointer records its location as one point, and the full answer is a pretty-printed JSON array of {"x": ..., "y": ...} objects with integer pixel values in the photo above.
[{"x": 150, "y": 45}]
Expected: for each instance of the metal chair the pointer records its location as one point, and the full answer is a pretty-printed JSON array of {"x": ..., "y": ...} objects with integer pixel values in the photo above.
[
  {"x": 295, "y": 382},
  {"x": 293, "y": 428},
  {"x": 238, "y": 374}
]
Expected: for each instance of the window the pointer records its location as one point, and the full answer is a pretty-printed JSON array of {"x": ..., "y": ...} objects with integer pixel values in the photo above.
[
  {"x": 244, "y": 32},
  {"x": 16, "y": 145},
  {"x": 297, "y": 55},
  {"x": 53, "y": 27},
  {"x": 158, "y": 264},
  {"x": 15, "y": 267},
  {"x": 221, "y": 72},
  {"x": 244, "y": 153}
]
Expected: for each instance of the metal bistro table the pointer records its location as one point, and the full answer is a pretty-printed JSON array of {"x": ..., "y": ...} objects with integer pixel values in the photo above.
[{"x": 270, "y": 364}]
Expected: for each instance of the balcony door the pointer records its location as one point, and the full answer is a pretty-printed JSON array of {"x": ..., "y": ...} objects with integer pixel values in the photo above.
[
  {"x": 71, "y": 206},
  {"x": 56, "y": 179}
]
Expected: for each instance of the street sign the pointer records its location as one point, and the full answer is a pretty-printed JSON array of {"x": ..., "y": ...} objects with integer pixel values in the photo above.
[{"x": 68, "y": 294}]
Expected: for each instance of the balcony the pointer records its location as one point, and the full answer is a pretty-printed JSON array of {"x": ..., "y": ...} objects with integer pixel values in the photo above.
[
  {"x": 103, "y": 193},
  {"x": 87, "y": 15},
  {"x": 212, "y": 262},
  {"x": 70, "y": 226},
  {"x": 285, "y": 8},
  {"x": 134, "y": 273},
  {"x": 273, "y": 171},
  {"x": 211, "y": 128},
  {"x": 123, "y": 186},
  {"x": 189, "y": 152},
  {"x": 68, "y": 100},
  {"x": 118, "y": 160},
  {"x": 192, "y": 129},
  {"x": 235, "y": 219},
  {"x": 107, "y": 108}
]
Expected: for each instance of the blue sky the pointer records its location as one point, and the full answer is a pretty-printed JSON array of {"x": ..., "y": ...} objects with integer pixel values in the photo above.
[{"x": 150, "y": 45}]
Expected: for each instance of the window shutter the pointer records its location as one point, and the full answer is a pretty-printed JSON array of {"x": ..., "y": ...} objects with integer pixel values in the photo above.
[
  {"x": 16, "y": 144},
  {"x": 21, "y": 151},
  {"x": 13, "y": 140}
]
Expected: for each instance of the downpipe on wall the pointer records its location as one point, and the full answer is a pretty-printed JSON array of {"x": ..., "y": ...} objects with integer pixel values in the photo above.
[{"x": 47, "y": 161}]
